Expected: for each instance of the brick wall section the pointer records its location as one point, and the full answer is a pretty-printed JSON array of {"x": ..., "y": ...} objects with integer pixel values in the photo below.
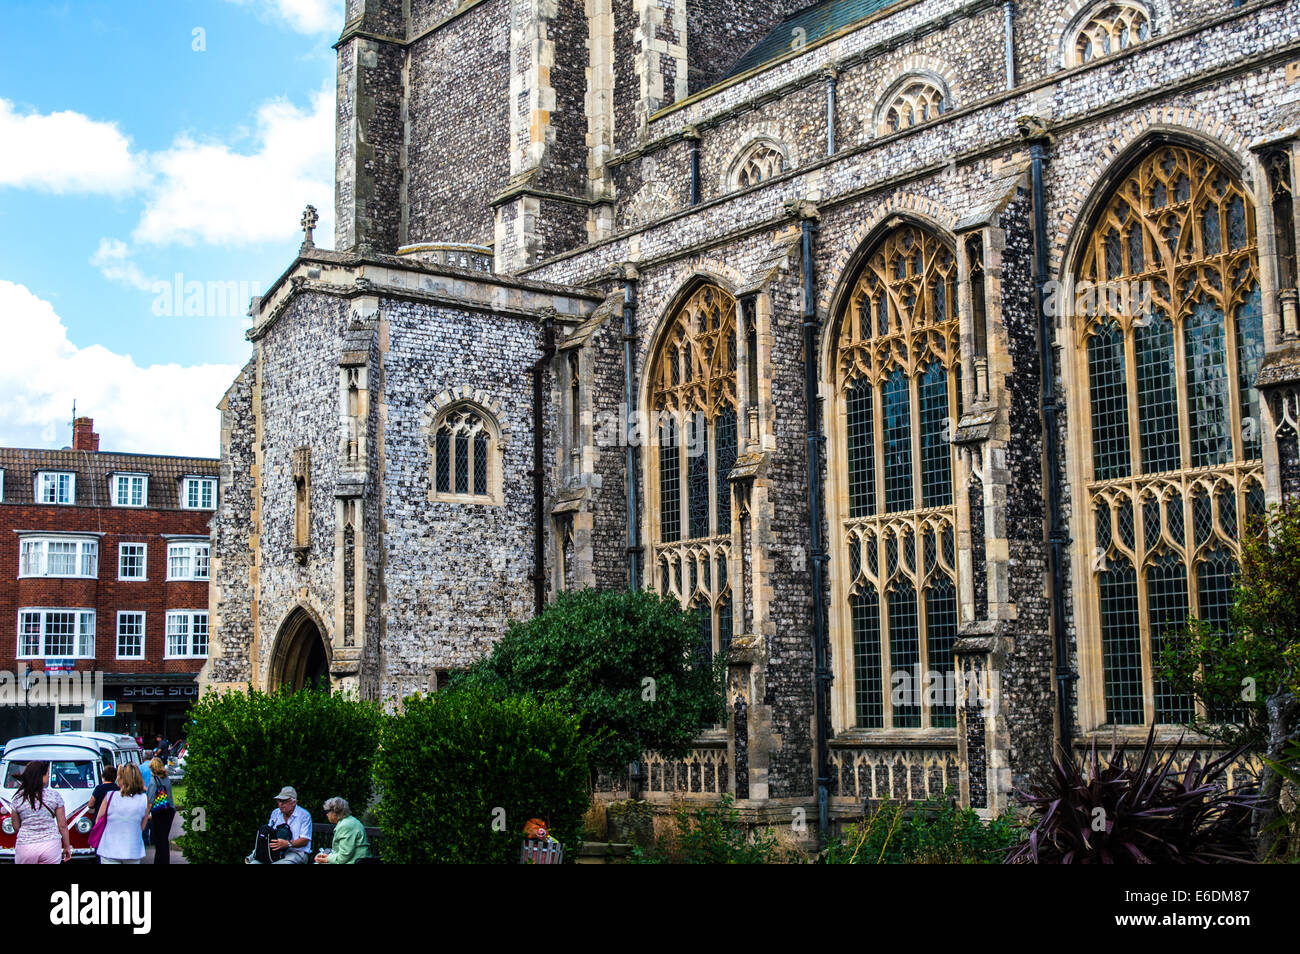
[
  {"x": 458, "y": 109},
  {"x": 299, "y": 408},
  {"x": 1027, "y": 687},
  {"x": 456, "y": 573},
  {"x": 720, "y": 31},
  {"x": 232, "y": 556},
  {"x": 105, "y": 594},
  {"x": 565, "y": 170}
]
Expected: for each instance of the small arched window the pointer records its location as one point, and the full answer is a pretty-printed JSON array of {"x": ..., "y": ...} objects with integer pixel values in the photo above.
[
  {"x": 1109, "y": 28},
  {"x": 466, "y": 458},
  {"x": 758, "y": 163},
  {"x": 915, "y": 101}
]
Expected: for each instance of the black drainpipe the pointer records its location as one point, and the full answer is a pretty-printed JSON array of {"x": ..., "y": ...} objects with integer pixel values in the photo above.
[
  {"x": 538, "y": 575},
  {"x": 832, "y": 76},
  {"x": 631, "y": 455},
  {"x": 1057, "y": 535},
  {"x": 692, "y": 137},
  {"x": 822, "y": 673}
]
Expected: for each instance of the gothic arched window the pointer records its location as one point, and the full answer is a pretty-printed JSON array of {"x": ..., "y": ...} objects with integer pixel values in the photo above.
[
  {"x": 1109, "y": 28},
  {"x": 466, "y": 458},
  {"x": 916, "y": 101},
  {"x": 758, "y": 163},
  {"x": 897, "y": 385},
  {"x": 693, "y": 407},
  {"x": 1171, "y": 337}
]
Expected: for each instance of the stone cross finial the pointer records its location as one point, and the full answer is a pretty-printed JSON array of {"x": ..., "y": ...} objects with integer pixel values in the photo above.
[{"x": 309, "y": 220}]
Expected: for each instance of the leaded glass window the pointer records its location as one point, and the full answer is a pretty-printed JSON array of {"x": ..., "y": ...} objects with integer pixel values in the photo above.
[
  {"x": 693, "y": 398},
  {"x": 1172, "y": 338},
  {"x": 464, "y": 451},
  {"x": 1110, "y": 28},
  {"x": 760, "y": 162},
  {"x": 916, "y": 102},
  {"x": 898, "y": 378}
]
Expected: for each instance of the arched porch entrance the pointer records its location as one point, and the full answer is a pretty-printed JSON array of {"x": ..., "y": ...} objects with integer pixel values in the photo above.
[{"x": 300, "y": 659}]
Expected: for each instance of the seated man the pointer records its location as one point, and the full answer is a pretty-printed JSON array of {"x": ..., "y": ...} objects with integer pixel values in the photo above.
[
  {"x": 350, "y": 842},
  {"x": 288, "y": 812}
]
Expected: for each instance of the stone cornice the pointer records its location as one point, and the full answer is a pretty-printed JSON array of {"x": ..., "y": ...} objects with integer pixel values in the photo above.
[{"x": 351, "y": 275}]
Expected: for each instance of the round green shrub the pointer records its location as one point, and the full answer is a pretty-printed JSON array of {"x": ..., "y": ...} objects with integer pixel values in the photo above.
[
  {"x": 462, "y": 771},
  {"x": 245, "y": 746},
  {"x": 628, "y": 663}
]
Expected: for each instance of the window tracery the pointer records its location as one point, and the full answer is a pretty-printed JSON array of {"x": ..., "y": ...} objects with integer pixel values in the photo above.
[
  {"x": 1171, "y": 339},
  {"x": 897, "y": 378},
  {"x": 693, "y": 406}
]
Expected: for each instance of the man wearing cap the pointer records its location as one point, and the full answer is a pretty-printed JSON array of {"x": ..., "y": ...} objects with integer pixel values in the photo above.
[{"x": 289, "y": 812}]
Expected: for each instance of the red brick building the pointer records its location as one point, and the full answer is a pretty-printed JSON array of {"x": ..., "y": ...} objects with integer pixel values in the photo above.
[{"x": 104, "y": 569}]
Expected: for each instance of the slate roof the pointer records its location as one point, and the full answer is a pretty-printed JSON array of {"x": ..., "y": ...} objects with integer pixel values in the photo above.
[
  {"x": 817, "y": 21},
  {"x": 93, "y": 469}
]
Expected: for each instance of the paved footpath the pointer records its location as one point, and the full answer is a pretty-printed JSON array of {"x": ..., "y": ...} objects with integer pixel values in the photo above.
[{"x": 176, "y": 857}]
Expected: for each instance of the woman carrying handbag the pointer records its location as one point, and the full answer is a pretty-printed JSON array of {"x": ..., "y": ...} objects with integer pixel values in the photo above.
[{"x": 124, "y": 814}]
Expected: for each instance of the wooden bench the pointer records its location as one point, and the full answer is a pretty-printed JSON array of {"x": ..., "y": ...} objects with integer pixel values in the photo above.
[{"x": 322, "y": 837}]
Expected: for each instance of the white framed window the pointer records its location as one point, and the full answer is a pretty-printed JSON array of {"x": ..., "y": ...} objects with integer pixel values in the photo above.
[
  {"x": 2, "y": 484},
  {"x": 130, "y": 490},
  {"x": 199, "y": 493},
  {"x": 187, "y": 634},
  {"x": 188, "y": 561},
  {"x": 58, "y": 556},
  {"x": 56, "y": 487},
  {"x": 131, "y": 561},
  {"x": 56, "y": 633},
  {"x": 130, "y": 635}
]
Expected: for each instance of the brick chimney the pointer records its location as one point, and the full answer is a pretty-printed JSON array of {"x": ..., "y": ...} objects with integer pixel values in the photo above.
[{"x": 84, "y": 437}]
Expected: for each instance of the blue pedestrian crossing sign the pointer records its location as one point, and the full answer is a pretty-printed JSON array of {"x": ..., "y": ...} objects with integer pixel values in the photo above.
[{"x": 107, "y": 708}]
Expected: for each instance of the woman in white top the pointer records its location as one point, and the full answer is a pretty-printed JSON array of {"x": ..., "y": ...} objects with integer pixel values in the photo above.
[{"x": 127, "y": 810}]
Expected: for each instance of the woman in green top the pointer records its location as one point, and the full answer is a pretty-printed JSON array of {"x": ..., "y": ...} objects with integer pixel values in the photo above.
[{"x": 350, "y": 842}]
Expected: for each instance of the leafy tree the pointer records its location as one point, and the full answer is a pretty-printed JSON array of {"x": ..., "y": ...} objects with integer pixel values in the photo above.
[
  {"x": 628, "y": 663},
  {"x": 1249, "y": 677},
  {"x": 243, "y": 747}
]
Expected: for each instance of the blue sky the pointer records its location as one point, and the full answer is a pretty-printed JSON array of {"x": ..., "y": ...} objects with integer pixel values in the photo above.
[{"x": 138, "y": 141}]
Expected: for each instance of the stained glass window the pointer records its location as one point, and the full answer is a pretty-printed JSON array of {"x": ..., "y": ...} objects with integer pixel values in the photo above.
[
  {"x": 898, "y": 379},
  {"x": 1183, "y": 309},
  {"x": 693, "y": 395}
]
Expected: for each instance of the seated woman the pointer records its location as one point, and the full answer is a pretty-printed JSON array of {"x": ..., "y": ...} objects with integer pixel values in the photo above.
[{"x": 350, "y": 842}]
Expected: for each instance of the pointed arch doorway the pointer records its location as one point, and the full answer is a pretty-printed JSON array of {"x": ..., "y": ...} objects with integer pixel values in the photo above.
[{"x": 301, "y": 656}]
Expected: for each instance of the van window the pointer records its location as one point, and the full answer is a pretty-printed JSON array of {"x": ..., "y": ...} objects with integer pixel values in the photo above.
[{"x": 64, "y": 775}]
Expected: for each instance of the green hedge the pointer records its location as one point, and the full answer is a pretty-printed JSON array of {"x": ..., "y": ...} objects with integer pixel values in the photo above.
[
  {"x": 244, "y": 747},
  {"x": 461, "y": 772}
]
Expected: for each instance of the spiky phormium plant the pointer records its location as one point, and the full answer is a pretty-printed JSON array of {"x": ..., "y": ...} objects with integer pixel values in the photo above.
[{"x": 1147, "y": 813}]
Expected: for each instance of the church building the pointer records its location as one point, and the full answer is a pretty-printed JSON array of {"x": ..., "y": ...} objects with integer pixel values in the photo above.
[{"x": 936, "y": 352}]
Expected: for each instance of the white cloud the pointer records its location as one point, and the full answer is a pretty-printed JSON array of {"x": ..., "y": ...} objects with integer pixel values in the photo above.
[
  {"x": 160, "y": 409},
  {"x": 305, "y": 16},
  {"x": 113, "y": 259},
  {"x": 207, "y": 192},
  {"x": 65, "y": 152}
]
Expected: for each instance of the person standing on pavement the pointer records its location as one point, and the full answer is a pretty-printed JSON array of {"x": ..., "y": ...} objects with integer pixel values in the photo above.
[
  {"x": 126, "y": 811},
  {"x": 38, "y": 819},
  {"x": 109, "y": 784},
  {"x": 146, "y": 775},
  {"x": 162, "y": 811}
]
